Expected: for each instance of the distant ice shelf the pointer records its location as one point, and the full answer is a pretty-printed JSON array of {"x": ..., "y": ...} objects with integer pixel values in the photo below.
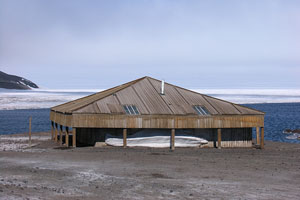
[{"x": 46, "y": 98}]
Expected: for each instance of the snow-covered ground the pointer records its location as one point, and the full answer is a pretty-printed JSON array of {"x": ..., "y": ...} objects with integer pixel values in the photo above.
[{"x": 19, "y": 142}]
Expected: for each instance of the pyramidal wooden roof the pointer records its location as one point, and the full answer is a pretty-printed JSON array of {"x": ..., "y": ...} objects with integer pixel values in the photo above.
[{"x": 144, "y": 93}]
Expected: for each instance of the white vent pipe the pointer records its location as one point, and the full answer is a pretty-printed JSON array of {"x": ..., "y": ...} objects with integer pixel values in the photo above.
[{"x": 162, "y": 89}]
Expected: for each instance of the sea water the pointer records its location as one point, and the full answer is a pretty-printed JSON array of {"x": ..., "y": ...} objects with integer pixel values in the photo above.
[{"x": 17, "y": 106}]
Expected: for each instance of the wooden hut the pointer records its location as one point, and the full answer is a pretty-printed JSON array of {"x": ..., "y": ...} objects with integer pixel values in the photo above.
[{"x": 147, "y": 103}]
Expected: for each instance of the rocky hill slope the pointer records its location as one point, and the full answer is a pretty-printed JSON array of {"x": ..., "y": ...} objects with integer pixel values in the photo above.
[{"x": 8, "y": 81}]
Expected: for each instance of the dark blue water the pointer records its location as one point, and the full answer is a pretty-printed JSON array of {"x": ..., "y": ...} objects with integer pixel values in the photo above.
[
  {"x": 279, "y": 116},
  {"x": 17, "y": 121}
]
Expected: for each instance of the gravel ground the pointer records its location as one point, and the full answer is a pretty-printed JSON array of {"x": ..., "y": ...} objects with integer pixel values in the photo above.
[{"x": 48, "y": 171}]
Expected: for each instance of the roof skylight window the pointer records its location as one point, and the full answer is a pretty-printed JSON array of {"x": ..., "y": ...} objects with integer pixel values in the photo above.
[
  {"x": 201, "y": 110},
  {"x": 131, "y": 110}
]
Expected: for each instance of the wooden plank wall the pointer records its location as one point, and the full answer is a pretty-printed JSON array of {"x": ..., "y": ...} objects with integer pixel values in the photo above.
[
  {"x": 156, "y": 121},
  {"x": 62, "y": 119},
  {"x": 161, "y": 121}
]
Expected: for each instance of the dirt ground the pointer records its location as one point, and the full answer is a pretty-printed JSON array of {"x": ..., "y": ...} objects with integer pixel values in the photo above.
[{"x": 48, "y": 171}]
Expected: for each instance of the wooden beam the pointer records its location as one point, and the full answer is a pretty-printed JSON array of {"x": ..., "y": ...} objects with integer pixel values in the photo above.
[
  {"x": 60, "y": 135},
  {"x": 74, "y": 137},
  {"x": 219, "y": 138},
  {"x": 124, "y": 137},
  {"x": 29, "y": 131},
  {"x": 56, "y": 132},
  {"x": 67, "y": 136},
  {"x": 172, "y": 139},
  {"x": 262, "y": 138},
  {"x": 52, "y": 130},
  {"x": 257, "y": 136}
]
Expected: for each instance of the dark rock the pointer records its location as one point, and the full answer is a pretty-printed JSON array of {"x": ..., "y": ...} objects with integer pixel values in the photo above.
[
  {"x": 288, "y": 131},
  {"x": 296, "y": 131},
  {"x": 8, "y": 81}
]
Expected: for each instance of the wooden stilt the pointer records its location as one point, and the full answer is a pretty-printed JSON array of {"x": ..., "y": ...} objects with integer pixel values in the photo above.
[
  {"x": 60, "y": 135},
  {"x": 124, "y": 137},
  {"x": 262, "y": 138},
  {"x": 219, "y": 138},
  {"x": 257, "y": 136},
  {"x": 52, "y": 130},
  {"x": 67, "y": 136},
  {"x": 74, "y": 137},
  {"x": 56, "y": 132},
  {"x": 173, "y": 139},
  {"x": 29, "y": 131}
]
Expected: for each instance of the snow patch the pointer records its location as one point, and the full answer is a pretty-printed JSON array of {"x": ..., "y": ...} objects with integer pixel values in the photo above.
[
  {"x": 8, "y": 146},
  {"x": 293, "y": 136},
  {"x": 158, "y": 141},
  {"x": 157, "y": 138},
  {"x": 23, "y": 138}
]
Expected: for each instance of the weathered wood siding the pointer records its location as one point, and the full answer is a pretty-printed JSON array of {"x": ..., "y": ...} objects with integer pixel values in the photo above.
[
  {"x": 62, "y": 119},
  {"x": 157, "y": 121}
]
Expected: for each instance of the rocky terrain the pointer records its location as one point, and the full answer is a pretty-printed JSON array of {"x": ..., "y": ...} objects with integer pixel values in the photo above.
[
  {"x": 49, "y": 171},
  {"x": 8, "y": 81}
]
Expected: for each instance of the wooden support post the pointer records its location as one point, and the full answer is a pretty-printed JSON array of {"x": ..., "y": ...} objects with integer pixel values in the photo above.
[
  {"x": 67, "y": 136},
  {"x": 173, "y": 139},
  {"x": 29, "y": 131},
  {"x": 60, "y": 135},
  {"x": 55, "y": 139},
  {"x": 124, "y": 137},
  {"x": 262, "y": 138},
  {"x": 257, "y": 136},
  {"x": 52, "y": 130},
  {"x": 74, "y": 137},
  {"x": 219, "y": 138}
]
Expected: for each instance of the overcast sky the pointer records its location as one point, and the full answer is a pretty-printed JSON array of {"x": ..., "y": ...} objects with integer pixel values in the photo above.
[{"x": 194, "y": 44}]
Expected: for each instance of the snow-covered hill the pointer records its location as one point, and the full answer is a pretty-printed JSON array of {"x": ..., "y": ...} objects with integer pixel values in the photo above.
[{"x": 8, "y": 81}]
